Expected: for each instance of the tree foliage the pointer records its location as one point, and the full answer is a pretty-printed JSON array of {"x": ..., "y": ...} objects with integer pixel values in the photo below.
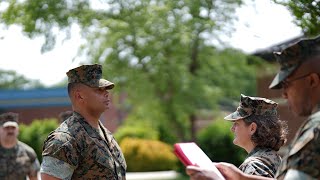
[
  {"x": 165, "y": 55},
  {"x": 306, "y": 13},
  {"x": 11, "y": 80}
]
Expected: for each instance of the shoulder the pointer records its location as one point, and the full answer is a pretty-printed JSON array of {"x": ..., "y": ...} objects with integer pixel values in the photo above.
[
  {"x": 264, "y": 162},
  {"x": 25, "y": 147},
  {"x": 267, "y": 154},
  {"x": 66, "y": 132},
  {"x": 256, "y": 167},
  {"x": 309, "y": 137}
]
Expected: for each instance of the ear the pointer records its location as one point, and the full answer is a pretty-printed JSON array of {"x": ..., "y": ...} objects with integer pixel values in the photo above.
[
  {"x": 314, "y": 80},
  {"x": 253, "y": 128},
  {"x": 78, "y": 95}
]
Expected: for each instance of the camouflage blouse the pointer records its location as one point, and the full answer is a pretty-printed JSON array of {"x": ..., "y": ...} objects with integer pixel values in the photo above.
[
  {"x": 18, "y": 162},
  {"x": 261, "y": 162},
  {"x": 303, "y": 154},
  {"x": 80, "y": 145}
]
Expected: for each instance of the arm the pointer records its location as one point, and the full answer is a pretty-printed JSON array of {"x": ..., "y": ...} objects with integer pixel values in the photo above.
[
  {"x": 53, "y": 168},
  {"x": 229, "y": 171}
]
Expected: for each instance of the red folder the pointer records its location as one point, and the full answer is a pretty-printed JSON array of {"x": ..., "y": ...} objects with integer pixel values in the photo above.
[{"x": 190, "y": 153}]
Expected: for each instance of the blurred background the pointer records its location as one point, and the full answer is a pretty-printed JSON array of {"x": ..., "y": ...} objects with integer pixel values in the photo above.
[{"x": 179, "y": 67}]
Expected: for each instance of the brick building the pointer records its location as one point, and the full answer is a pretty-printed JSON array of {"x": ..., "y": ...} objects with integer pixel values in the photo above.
[{"x": 47, "y": 103}]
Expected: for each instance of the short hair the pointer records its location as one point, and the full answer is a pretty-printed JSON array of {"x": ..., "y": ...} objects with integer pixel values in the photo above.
[
  {"x": 71, "y": 86},
  {"x": 271, "y": 132}
]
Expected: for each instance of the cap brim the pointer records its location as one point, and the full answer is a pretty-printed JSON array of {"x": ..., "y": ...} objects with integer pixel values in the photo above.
[
  {"x": 10, "y": 124},
  {"x": 234, "y": 116},
  {"x": 106, "y": 83},
  {"x": 281, "y": 76}
]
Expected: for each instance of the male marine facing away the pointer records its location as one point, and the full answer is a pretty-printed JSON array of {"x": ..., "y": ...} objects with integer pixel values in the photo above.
[{"x": 81, "y": 147}]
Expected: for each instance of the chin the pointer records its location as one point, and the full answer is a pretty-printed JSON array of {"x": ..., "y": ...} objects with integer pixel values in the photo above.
[{"x": 235, "y": 142}]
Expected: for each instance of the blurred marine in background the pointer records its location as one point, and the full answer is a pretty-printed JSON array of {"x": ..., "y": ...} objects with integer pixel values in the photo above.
[{"x": 17, "y": 160}]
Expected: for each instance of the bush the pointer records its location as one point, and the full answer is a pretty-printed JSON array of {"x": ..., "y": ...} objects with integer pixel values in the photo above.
[
  {"x": 216, "y": 141},
  {"x": 35, "y": 133},
  {"x": 140, "y": 132},
  {"x": 148, "y": 155}
]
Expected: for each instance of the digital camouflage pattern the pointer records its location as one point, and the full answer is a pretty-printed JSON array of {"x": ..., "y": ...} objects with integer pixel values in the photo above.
[
  {"x": 90, "y": 75},
  {"x": 9, "y": 117},
  {"x": 304, "y": 151},
  {"x": 292, "y": 57},
  {"x": 261, "y": 162},
  {"x": 253, "y": 105},
  {"x": 81, "y": 146},
  {"x": 18, "y": 162}
]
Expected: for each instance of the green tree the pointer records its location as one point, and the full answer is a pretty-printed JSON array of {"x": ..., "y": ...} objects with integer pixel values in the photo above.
[
  {"x": 161, "y": 53},
  {"x": 11, "y": 80},
  {"x": 306, "y": 13}
]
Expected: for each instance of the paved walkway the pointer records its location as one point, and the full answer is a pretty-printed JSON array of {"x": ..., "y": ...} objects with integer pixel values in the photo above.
[{"x": 159, "y": 175}]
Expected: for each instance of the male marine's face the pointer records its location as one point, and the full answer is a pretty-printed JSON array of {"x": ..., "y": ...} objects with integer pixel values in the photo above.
[
  {"x": 296, "y": 90},
  {"x": 9, "y": 132}
]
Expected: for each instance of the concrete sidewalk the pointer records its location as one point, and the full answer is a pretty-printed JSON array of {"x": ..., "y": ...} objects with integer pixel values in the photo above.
[{"x": 158, "y": 175}]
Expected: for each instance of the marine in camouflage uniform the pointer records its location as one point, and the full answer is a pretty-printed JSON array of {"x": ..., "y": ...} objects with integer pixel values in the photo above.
[
  {"x": 19, "y": 161},
  {"x": 302, "y": 161},
  {"x": 77, "y": 150},
  {"x": 263, "y": 159}
]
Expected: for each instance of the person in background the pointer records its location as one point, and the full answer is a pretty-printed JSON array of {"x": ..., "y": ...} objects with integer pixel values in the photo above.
[
  {"x": 260, "y": 132},
  {"x": 81, "y": 147},
  {"x": 299, "y": 79},
  {"x": 64, "y": 115},
  {"x": 17, "y": 160}
]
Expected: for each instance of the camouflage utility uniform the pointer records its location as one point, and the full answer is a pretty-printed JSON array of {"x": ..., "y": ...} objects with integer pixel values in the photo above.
[
  {"x": 18, "y": 162},
  {"x": 262, "y": 162},
  {"x": 90, "y": 155},
  {"x": 304, "y": 152},
  {"x": 302, "y": 160}
]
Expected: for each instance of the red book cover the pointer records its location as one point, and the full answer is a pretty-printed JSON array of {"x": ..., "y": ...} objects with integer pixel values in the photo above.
[{"x": 190, "y": 153}]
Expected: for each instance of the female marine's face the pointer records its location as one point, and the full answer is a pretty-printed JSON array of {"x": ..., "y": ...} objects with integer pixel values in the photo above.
[{"x": 242, "y": 134}]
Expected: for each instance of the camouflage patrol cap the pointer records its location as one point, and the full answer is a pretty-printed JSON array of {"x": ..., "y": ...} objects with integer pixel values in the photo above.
[
  {"x": 90, "y": 75},
  {"x": 9, "y": 119},
  {"x": 292, "y": 57},
  {"x": 253, "y": 105}
]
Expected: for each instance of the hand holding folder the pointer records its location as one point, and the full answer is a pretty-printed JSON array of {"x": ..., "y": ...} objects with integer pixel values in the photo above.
[{"x": 191, "y": 154}]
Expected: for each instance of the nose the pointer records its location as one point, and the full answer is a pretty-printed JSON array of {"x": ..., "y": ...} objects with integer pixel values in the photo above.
[
  {"x": 232, "y": 128},
  {"x": 284, "y": 93},
  {"x": 106, "y": 93}
]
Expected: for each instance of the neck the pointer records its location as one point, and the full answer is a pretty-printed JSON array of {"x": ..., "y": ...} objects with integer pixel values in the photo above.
[
  {"x": 91, "y": 118},
  {"x": 249, "y": 147},
  {"x": 8, "y": 143}
]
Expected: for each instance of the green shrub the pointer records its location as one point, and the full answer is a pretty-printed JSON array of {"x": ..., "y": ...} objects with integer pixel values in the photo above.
[
  {"x": 140, "y": 132},
  {"x": 35, "y": 133},
  {"x": 148, "y": 155},
  {"x": 216, "y": 141}
]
